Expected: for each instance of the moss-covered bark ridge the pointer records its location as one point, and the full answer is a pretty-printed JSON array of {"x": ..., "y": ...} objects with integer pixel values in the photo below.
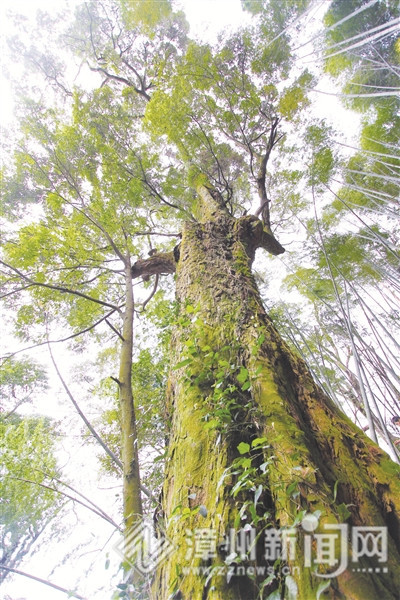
[{"x": 313, "y": 458}]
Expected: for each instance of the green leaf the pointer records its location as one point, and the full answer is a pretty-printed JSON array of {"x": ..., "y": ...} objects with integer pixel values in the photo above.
[
  {"x": 258, "y": 441},
  {"x": 257, "y": 494},
  {"x": 223, "y": 363},
  {"x": 261, "y": 340},
  {"x": 299, "y": 517},
  {"x": 343, "y": 512},
  {"x": 246, "y": 463},
  {"x": 243, "y": 375},
  {"x": 291, "y": 488},
  {"x": 335, "y": 490},
  {"x": 243, "y": 447},
  {"x": 254, "y": 517},
  {"x": 182, "y": 363},
  {"x": 212, "y": 424},
  {"x": 160, "y": 457}
]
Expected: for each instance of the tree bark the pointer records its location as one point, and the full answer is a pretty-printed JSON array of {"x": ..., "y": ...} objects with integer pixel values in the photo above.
[
  {"x": 132, "y": 510},
  {"x": 237, "y": 382},
  {"x": 159, "y": 264}
]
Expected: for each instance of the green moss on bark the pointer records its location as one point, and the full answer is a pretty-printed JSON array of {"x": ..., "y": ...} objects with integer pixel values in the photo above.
[{"x": 315, "y": 459}]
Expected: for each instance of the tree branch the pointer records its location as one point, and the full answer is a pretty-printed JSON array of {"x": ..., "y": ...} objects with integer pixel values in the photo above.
[
  {"x": 262, "y": 192},
  {"x": 158, "y": 264},
  {"x": 175, "y": 235},
  {"x": 115, "y": 330},
  {"x": 271, "y": 244},
  {"x": 44, "y": 581},
  {"x": 70, "y": 337},
  {"x": 153, "y": 291},
  {"x": 54, "y": 478},
  {"x": 143, "y": 89},
  {"x": 101, "y": 228},
  {"x": 120, "y": 80},
  {"x": 254, "y": 234},
  {"x": 96, "y": 510},
  {"x": 92, "y": 430},
  {"x": 154, "y": 190},
  {"x": 58, "y": 288}
]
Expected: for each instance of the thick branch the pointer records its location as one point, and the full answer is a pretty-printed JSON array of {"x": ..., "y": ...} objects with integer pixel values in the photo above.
[
  {"x": 271, "y": 244},
  {"x": 143, "y": 88},
  {"x": 253, "y": 234},
  {"x": 158, "y": 264},
  {"x": 261, "y": 179},
  {"x": 120, "y": 79},
  {"x": 211, "y": 203}
]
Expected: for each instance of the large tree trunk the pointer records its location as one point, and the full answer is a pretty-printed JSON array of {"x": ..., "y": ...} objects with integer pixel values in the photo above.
[{"x": 239, "y": 382}]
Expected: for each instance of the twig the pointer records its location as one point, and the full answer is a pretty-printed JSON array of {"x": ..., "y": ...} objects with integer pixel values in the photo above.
[
  {"x": 98, "y": 512},
  {"x": 70, "y": 337},
  {"x": 83, "y": 416},
  {"x": 92, "y": 429},
  {"x": 57, "y": 287},
  {"x": 152, "y": 292},
  {"x": 44, "y": 581}
]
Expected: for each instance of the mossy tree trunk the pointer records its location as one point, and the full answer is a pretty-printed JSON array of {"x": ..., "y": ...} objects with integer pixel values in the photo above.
[{"x": 254, "y": 443}]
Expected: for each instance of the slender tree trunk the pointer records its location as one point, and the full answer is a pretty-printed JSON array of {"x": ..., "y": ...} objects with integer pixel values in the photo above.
[
  {"x": 131, "y": 477},
  {"x": 240, "y": 394}
]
